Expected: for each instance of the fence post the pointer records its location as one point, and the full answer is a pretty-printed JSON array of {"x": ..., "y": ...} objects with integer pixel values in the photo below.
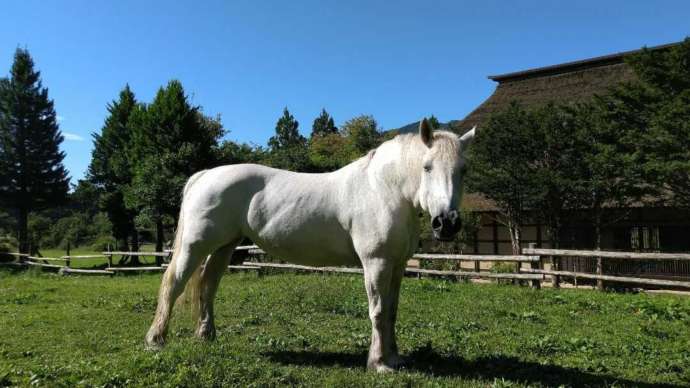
[
  {"x": 600, "y": 271},
  {"x": 67, "y": 263},
  {"x": 535, "y": 265},
  {"x": 556, "y": 266}
]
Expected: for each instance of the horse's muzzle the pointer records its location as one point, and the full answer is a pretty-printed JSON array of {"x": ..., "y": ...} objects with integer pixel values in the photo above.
[{"x": 446, "y": 226}]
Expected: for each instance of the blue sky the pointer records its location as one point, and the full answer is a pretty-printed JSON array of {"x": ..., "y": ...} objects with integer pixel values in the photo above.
[{"x": 246, "y": 60}]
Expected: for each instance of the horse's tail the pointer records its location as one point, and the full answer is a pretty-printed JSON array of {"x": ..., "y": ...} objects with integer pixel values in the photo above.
[{"x": 192, "y": 292}]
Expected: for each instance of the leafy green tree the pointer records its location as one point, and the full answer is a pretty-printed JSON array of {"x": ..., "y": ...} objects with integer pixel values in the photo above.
[
  {"x": 557, "y": 166},
  {"x": 653, "y": 113},
  {"x": 33, "y": 176},
  {"x": 323, "y": 125},
  {"x": 235, "y": 153},
  {"x": 500, "y": 165},
  {"x": 171, "y": 140},
  {"x": 362, "y": 133},
  {"x": 110, "y": 170},
  {"x": 329, "y": 152},
  {"x": 606, "y": 170},
  {"x": 288, "y": 148}
]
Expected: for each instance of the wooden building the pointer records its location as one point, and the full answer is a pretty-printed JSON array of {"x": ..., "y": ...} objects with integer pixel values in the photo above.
[{"x": 641, "y": 229}]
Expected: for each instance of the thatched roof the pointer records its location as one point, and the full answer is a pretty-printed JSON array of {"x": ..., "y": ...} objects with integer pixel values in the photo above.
[{"x": 564, "y": 83}]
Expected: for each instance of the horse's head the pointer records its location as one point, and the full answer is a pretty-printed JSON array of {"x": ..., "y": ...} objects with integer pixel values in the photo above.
[{"x": 443, "y": 168}]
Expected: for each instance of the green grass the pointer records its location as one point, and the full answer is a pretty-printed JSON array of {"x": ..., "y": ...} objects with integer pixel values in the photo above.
[{"x": 289, "y": 329}]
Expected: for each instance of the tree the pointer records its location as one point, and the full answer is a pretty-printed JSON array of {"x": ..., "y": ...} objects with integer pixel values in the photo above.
[
  {"x": 33, "y": 176},
  {"x": 288, "y": 148},
  {"x": 110, "y": 169},
  {"x": 287, "y": 134},
  {"x": 557, "y": 166},
  {"x": 323, "y": 125},
  {"x": 433, "y": 121},
  {"x": 329, "y": 152},
  {"x": 235, "y": 153},
  {"x": 362, "y": 133},
  {"x": 171, "y": 140},
  {"x": 501, "y": 166},
  {"x": 654, "y": 112}
]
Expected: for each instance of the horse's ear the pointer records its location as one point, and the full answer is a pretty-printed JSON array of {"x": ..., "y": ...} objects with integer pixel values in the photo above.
[
  {"x": 467, "y": 138},
  {"x": 426, "y": 132}
]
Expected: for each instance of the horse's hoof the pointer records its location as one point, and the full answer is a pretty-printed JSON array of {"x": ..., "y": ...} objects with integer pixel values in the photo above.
[
  {"x": 154, "y": 342},
  {"x": 206, "y": 335},
  {"x": 380, "y": 367},
  {"x": 383, "y": 369}
]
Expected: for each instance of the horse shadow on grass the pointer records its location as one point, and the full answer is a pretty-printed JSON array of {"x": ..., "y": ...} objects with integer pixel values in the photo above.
[{"x": 428, "y": 361}]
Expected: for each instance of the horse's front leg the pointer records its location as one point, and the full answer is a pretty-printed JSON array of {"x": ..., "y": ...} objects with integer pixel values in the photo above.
[
  {"x": 396, "y": 281},
  {"x": 377, "y": 281}
]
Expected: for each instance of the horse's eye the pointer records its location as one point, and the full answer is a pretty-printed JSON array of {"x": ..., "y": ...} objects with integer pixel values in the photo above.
[{"x": 427, "y": 167}]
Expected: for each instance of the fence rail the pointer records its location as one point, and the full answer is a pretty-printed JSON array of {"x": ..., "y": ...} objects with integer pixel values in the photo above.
[
  {"x": 606, "y": 254},
  {"x": 532, "y": 256}
]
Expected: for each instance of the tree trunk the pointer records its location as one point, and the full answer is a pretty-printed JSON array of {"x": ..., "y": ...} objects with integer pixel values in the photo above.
[
  {"x": 555, "y": 260},
  {"x": 160, "y": 236},
  {"x": 135, "y": 240},
  {"x": 23, "y": 221},
  {"x": 514, "y": 229},
  {"x": 514, "y": 237},
  {"x": 134, "y": 247},
  {"x": 597, "y": 246}
]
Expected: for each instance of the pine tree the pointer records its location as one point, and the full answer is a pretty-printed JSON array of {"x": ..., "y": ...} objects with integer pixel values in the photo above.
[
  {"x": 110, "y": 170},
  {"x": 433, "y": 121},
  {"x": 287, "y": 134},
  {"x": 288, "y": 148},
  {"x": 33, "y": 176},
  {"x": 171, "y": 140},
  {"x": 323, "y": 125}
]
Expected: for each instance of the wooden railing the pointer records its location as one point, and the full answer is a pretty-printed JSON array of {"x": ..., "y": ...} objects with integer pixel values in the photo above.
[
  {"x": 535, "y": 273},
  {"x": 556, "y": 273}
]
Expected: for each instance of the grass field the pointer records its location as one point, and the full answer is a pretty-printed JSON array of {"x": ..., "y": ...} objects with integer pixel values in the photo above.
[{"x": 288, "y": 329}]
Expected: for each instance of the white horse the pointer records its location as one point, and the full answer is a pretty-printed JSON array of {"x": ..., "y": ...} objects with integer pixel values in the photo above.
[{"x": 364, "y": 214}]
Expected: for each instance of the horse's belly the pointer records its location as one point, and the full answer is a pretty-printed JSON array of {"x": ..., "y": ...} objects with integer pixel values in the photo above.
[{"x": 315, "y": 245}]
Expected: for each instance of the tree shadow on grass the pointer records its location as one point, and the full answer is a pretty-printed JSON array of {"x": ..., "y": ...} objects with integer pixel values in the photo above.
[{"x": 429, "y": 362}]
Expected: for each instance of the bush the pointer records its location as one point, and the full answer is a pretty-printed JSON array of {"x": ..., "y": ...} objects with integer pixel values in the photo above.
[
  {"x": 7, "y": 244},
  {"x": 102, "y": 243}
]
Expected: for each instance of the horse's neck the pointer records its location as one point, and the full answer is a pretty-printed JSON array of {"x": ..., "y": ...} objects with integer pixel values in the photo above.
[{"x": 395, "y": 168}]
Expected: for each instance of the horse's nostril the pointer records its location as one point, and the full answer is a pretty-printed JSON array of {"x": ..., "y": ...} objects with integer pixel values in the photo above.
[
  {"x": 453, "y": 215},
  {"x": 436, "y": 223}
]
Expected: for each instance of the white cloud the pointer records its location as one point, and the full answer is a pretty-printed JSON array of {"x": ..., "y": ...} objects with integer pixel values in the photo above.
[{"x": 72, "y": 136}]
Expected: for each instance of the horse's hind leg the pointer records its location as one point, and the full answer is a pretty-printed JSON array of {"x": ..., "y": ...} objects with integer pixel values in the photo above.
[
  {"x": 185, "y": 262},
  {"x": 208, "y": 285}
]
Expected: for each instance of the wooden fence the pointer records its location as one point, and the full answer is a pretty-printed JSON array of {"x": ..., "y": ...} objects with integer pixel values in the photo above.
[
  {"x": 530, "y": 265},
  {"x": 554, "y": 256}
]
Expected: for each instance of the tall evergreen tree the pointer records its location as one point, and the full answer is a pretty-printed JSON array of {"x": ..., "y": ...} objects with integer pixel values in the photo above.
[
  {"x": 171, "y": 140},
  {"x": 110, "y": 170},
  {"x": 287, "y": 134},
  {"x": 288, "y": 148},
  {"x": 433, "y": 121},
  {"x": 323, "y": 125},
  {"x": 33, "y": 176}
]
